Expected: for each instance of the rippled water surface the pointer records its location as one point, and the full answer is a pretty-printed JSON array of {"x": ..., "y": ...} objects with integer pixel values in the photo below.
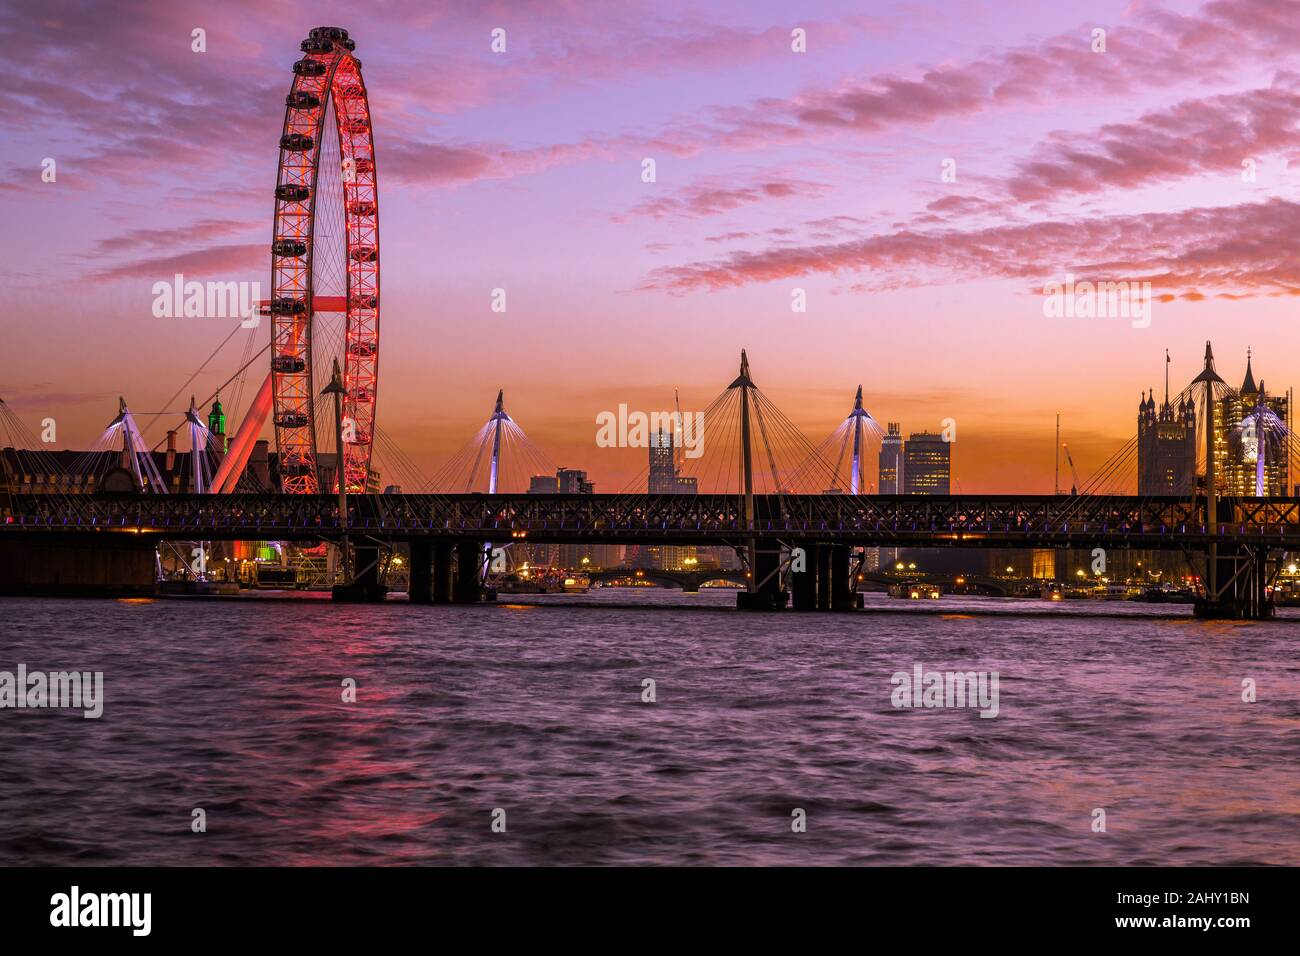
[{"x": 234, "y": 706}]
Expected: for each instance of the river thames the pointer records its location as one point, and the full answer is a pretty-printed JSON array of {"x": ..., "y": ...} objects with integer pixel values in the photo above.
[{"x": 771, "y": 739}]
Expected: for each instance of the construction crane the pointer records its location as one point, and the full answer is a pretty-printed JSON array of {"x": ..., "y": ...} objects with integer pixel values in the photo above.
[
  {"x": 1074, "y": 488},
  {"x": 679, "y": 459}
]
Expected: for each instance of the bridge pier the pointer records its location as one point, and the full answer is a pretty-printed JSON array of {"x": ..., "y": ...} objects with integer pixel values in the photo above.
[
  {"x": 468, "y": 589},
  {"x": 834, "y": 590},
  {"x": 431, "y": 572},
  {"x": 1242, "y": 587},
  {"x": 420, "y": 588},
  {"x": 825, "y": 585},
  {"x": 103, "y": 565},
  {"x": 823, "y": 577},
  {"x": 766, "y": 593},
  {"x": 365, "y": 585},
  {"x": 442, "y": 572},
  {"x": 804, "y": 583},
  {"x": 842, "y": 596}
]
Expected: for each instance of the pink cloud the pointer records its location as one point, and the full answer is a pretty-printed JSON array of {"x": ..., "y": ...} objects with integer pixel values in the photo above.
[
  {"x": 163, "y": 238},
  {"x": 1219, "y": 40},
  {"x": 711, "y": 197},
  {"x": 1231, "y": 248},
  {"x": 1195, "y": 136},
  {"x": 433, "y": 164},
  {"x": 213, "y": 261}
]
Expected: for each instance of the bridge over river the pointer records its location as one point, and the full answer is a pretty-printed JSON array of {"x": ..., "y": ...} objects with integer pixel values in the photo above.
[{"x": 54, "y": 542}]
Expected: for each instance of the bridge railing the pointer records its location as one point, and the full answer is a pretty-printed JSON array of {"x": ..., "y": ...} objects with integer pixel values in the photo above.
[{"x": 962, "y": 520}]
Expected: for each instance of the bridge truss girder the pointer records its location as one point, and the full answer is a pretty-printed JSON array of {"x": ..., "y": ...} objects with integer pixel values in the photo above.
[{"x": 888, "y": 521}]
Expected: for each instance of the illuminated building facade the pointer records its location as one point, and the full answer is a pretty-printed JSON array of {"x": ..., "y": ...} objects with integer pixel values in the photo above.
[
  {"x": 664, "y": 479},
  {"x": 1250, "y": 448},
  {"x": 891, "y": 460},
  {"x": 927, "y": 464}
]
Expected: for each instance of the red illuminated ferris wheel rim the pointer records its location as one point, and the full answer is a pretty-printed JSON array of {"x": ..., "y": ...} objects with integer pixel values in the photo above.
[{"x": 327, "y": 77}]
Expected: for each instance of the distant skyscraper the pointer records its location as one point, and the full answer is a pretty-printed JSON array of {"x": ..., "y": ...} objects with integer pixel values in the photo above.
[
  {"x": 664, "y": 480},
  {"x": 891, "y": 460},
  {"x": 543, "y": 555},
  {"x": 927, "y": 464},
  {"x": 607, "y": 555},
  {"x": 571, "y": 481},
  {"x": 543, "y": 485},
  {"x": 663, "y": 464},
  {"x": 890, "y": 483}
]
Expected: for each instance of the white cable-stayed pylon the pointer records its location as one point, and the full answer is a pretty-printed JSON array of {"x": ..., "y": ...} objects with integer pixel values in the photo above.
[
  {"x": 200, "y": 469},
  {"x": 859, "y": 419},
  {"x": 852, "y": 439},
  {"x": 146, "y": 472},
  {"x": 498, "y": 419},
  {"x": 500, "y": 458}
]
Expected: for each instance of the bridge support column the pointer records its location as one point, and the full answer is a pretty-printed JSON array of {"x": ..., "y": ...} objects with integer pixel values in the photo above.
[
  {"x": 842, "y": 597},
  {"x": 766, "y": 594},
  {"x": 1242, "y": 586},
  {"x": 420, "y": 590},
  {"x": 469, "y": 564},
  {"x": 804, "y": 583},
  {"x": 824, "y": 599},
  {"x": 365, "y": 584},
  {"x": 1264, "y": 601},
  {"x": 442, "y": 576}
]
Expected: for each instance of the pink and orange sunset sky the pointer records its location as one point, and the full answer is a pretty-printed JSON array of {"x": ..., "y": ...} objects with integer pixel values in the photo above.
[{"x": 775, "y": 171}]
